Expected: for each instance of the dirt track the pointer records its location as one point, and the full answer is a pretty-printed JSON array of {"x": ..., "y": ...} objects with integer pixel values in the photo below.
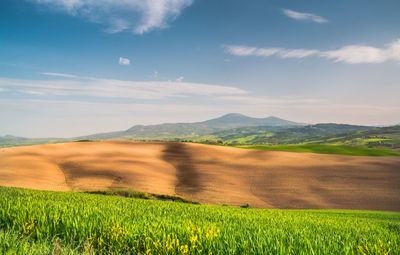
[{"x": 209, "y": 174}]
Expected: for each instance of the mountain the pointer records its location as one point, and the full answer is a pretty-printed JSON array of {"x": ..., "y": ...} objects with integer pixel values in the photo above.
[
  {"x": 236, "y": 120},
  {"x": 181, "y": 130}
]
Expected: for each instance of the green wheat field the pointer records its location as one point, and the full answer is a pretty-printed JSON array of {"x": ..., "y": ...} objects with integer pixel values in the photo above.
[{"x": 44, "y": 222}]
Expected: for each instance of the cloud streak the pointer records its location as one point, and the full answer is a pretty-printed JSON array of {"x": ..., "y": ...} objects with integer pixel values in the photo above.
[
  {"x": 108, "y": 88},
  {"x": 140, "y": 16},
  {"x": 64, "y": 75},
  {"x": 351, "y": 54},
  {"x": 304, "y": 16}
]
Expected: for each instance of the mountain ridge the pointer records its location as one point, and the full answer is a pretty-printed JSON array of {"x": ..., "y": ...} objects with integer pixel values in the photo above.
[{"x": 185, "y": 129}]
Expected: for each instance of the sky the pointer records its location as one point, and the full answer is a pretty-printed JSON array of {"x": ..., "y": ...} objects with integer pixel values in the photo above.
[{"x": 78, "y": 67}]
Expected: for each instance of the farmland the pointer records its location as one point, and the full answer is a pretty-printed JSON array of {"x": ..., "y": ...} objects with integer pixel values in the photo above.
[
  {"x": 327, "y": 149},
  {"x": 208, "y": 174},
  {"x": 85, "y": 223}
]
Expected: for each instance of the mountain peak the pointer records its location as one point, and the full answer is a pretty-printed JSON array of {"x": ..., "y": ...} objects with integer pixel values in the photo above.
[{"x": 233, "y": 115}]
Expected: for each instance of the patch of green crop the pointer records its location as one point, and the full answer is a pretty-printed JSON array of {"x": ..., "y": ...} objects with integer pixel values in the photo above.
[
  {"x": 141, "y": 195},
  {"x": 327, "y": 149},
  {"x": 44, "y": 222}
]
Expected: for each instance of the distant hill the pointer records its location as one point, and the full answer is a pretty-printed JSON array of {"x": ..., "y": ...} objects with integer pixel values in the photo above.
[
  {"x": 337, "y": 134},
  {"x": 285, "y": 134},
  {"x": 181, "y": 130},
  {"x": 383, "y": 137},
  {"x": 9, "y": 140}
]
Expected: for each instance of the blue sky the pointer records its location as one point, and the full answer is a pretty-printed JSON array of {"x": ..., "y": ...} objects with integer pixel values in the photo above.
[{"x": 75, "y": 67}]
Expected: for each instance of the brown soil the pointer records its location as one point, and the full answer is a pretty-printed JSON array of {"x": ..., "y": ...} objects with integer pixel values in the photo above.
[{"x": 209, "y": 174}]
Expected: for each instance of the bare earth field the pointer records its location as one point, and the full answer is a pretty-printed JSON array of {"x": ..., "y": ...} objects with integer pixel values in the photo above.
[{"x": 209, "y": 174}]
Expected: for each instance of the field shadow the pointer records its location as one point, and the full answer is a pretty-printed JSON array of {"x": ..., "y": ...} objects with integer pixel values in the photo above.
[
  {"x": 74, "y": 172},
  {"x": 188, "y": 177}
]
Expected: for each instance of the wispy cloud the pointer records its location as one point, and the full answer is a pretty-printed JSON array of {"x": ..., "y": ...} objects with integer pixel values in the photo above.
[
  {"x": 117, "y": 25},
  {"x": 351, "y": 54},
  {"x": 107, "y": 88},
  {"x": 1, "y": 89},
  {"x": 268, "y": 101},
  {"x": 74, "y": 118},
  {"x": 124, "y": 61},
  {"x": 140, "y": 16},
  {"x": 78, "y": 106},
  {"x": 60, "y": 75},
  {"x": 304, "y": 16}
]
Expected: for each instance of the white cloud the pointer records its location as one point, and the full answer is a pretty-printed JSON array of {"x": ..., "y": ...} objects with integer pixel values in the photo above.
[
  {"x": 140, "y": 16},
  {"x": 179, "y": 79},
  {"x": 351, "y": 54},
  {"x": 1, "y": 89},
  {"x": 303, "y": 16},
  {"x": 60, "y": 75},
  {"x": 124, "y": 61},
  {"x": 107, "y": 88}
]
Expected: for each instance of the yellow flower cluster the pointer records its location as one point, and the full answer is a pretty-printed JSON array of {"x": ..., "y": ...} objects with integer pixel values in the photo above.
[
  {"x": 113, "y": 238},
  {"x": 196, "y": 240},
  {"x": 380, "y": 249},
  {"x": 28, "y": 227}
]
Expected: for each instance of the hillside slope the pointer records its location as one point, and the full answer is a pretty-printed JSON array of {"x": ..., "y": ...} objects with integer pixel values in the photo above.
[
  {"x": 209, "y": 174},
  {"x": 285, "y": 134}
]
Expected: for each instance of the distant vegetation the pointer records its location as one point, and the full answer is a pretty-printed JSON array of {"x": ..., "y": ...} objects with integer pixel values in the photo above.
[
  {"x": 141, "y": 195},
  {"x": 319, "y": 138},
  {"x": 43, "y": 222},
  {"x": 327, "y": 149},
  {"x": 10, "y": 141},
  {"x": 283, "y": 134},
  {"x": 385, "y": 137}
]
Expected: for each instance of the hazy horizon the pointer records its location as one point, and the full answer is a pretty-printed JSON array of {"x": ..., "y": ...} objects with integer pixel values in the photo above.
[
  {"x": 181, "y": 122},
  {"x": 79, "y": 67}
]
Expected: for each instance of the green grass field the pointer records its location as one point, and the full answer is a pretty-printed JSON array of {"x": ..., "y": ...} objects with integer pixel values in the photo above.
[
  {"x": 327, "y": 149},
  {"x": 43, "y": 222}
]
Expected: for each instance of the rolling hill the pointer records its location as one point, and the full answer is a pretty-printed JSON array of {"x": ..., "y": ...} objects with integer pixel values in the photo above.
[
  {"x": 283, "y": 134},
  {"x": 330, "y": 134},
  {"x": 208, "y": 174}
]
